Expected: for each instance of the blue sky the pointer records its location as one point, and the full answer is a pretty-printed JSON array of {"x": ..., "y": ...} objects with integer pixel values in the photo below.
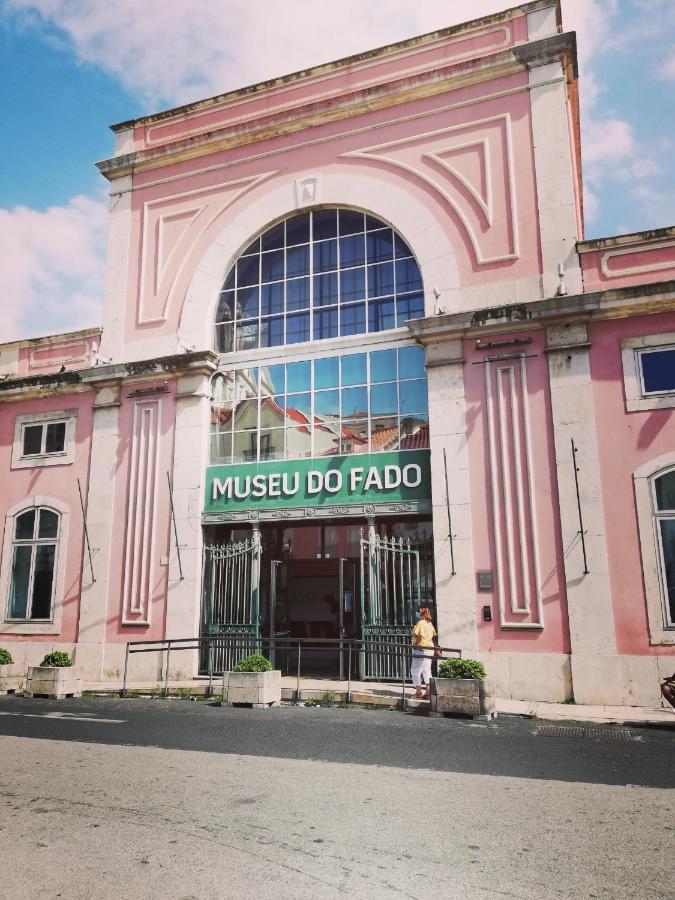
[{"x": 70, "y": 68}]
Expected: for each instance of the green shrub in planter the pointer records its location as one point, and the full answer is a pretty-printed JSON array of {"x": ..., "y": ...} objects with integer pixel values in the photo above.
[
  {"x": 461, "y": 668},
  {"x": 256, "y": 662},
  {"x": 57, "y": 660},
  {"x": 5, "y": 657}
]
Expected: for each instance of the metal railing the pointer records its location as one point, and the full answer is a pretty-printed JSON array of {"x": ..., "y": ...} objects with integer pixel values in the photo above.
[{"x": 401, "y": 651}]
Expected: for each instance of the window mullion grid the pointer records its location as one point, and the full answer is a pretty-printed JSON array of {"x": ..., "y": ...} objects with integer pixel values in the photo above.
[{"x": 311, "y": 279}]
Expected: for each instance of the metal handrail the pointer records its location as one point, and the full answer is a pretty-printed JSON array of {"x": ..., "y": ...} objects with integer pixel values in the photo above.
[{"x": 388, "y": 648}]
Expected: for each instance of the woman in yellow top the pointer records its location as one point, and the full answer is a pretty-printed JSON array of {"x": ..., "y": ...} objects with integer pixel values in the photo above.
[{"x": 423, "y": 640}]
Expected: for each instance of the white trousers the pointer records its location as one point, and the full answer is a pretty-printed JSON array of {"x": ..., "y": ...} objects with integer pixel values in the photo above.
[{"x": 421, "y": 668}]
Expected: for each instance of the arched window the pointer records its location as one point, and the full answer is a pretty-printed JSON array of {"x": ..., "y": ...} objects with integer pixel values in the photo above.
[
  {"x": 318, "y": 275},
  {"x": 664, "y": 512},
  {"x": 34, "y": 546}
]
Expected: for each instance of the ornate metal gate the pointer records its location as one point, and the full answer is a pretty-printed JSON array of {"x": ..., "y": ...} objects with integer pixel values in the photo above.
[
  {"x": 231, "y": 601},
  {"x": 390, "y": 593}
]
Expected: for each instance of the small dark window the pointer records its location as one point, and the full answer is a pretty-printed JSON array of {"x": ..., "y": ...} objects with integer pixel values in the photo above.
[
  {"x": 46, "y": 439},
  {"x": 32, "y": 440},
  {"x": 658, "y": 370},
  {"x": 56, "y": 437}
]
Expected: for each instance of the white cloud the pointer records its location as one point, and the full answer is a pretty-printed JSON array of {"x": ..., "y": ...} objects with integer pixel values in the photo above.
[
  {"x": 667, "y": 70},
  {"x": 51, "y": 268}
]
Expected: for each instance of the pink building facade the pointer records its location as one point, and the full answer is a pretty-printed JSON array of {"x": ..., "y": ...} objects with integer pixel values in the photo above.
[{"x": 352, "y": 312}]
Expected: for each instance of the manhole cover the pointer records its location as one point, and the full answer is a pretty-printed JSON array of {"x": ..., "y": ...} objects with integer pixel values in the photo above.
[{"x": 576, "y": 731}]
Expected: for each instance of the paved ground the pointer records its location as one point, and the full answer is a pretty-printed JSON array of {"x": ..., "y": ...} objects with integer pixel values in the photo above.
[{"x": 156, "y": 798}]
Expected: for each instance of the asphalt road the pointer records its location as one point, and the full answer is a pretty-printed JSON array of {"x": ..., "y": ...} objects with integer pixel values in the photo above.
[{"x": 153, "y": 798}]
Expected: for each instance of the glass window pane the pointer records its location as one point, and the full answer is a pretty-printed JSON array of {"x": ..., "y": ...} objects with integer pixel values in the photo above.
[
  {"x": 272, "y": 298},
  {"x": 413, "y": 396},
  {"x": 230, "y": 280},
  {"x": 326, "y": 373},
  {"x": 668, "y": 547},
  {"x": 326, "y": 438},
  {"x": 380, "y": 246},
  {"x": 49, "y": 524},
  {"x": 274, "y": 238},
  {"x": 297, "y": 294},
  {"x": 245, "y": 446},
  {"x": 658, "y": 370},
  {"x": 411, "y": 307},
  {"x": 383, "y": 365},
  {"x": 325, "y": 224},
  {"x": 297, "y": 230},
  {"x": 273, "y": 411},
  {"x": 221, "y": 417},
  {"x": 298, "y": 442},
  {"x": 245, "y": 414},
  {"x": 273, "y": 379},
  {"x": 354, "y": 369},
  {"x": 272, "y": 268},
  {"x": 245, "y": 384},
  {"x": 350, "y": 222},
  {"x": 32, "y": 439},
  {"x": 297, "y": 261},
  {"x": 56, "y": 437},
  {"x": 354, "y": 436},
  {"x": 253, "y": 247},
  {"x": 247, "y": 271},
  {"x": 325, "y": 289},
  {"x": 414, "y": 433},
  {"x": 352, "y": 285},
  {"x": 401, "y": 249},
  {"x": 297, "y": 328},
  {"x": 18, "y": 592},
  {"x": 353, "y": 319},
  {"x": 381, "y": 280},
  {"x": 354, "y": 402},
  {"x": 25, "y": 526},
  {"x": 247, "y": 335},
  {"x": 43, "y": 578},
  {"x": 224, "y": 335},
  {"x": 384, "y": 435},
  {"x": 352, "y": 251},
  {"x": 373, "y": 224},
  {"x": 271, "y": 444},
  {"x": 411, "y": 362},
  {"x": 381, "y": 315},
  {"x": 298, "y": 376},
  {"x": 326, "y": 323},
  {"x": 325, "y": 256},
  {"x": 384, "y": 399},
  {"x": 327, "y": 404},
  {"x": 299, "y": 407},
  {"x": 225, "y": 311},
  {"x": 408, "y": 277},
  {"x": 665, "y": 491},
  {"x": 247, "y": 303},
  {"x": 272, "y": 331}
]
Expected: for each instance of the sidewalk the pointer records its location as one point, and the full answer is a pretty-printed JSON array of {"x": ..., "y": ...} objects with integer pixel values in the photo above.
[{"x": 389, "y": 694}]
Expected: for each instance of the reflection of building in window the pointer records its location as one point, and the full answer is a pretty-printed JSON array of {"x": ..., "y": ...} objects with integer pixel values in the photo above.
[
  {"x": 318, "y": 275},
  {"x": 664, "y": 502},
  {"x": 34, "y": 546},
  {"x": 358, "y": 403}
]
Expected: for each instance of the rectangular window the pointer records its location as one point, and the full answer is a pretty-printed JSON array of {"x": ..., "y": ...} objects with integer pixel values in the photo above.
[
  {"x": 657, "y": 369},
  {"x": 44, "y": 439}
]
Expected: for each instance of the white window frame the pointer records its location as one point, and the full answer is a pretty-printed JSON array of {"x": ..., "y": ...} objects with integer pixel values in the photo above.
[
  {"x": 661, "y": 632},
  {"x": 60, "y": 458},
  {"x": 631, "y": 357},
  {"x": 27, "y": 626}
]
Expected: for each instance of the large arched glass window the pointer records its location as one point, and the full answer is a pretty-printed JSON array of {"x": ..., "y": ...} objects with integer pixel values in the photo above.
[
  {"x": 35, "y": 540},
  {"x": 317, "y": 275},
  {"x": 664, "y": 497}
]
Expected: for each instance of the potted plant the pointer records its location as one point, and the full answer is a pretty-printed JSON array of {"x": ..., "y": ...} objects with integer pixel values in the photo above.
[
  {"x": 55, "y": 677},
  {"x": 253, "y": 682},
  {"x": 460, "y": 690},
  {"x": 11, "y": 676}
]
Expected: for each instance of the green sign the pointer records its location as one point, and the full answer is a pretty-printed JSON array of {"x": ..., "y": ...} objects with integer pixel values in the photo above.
[{"x": 320, "y": 481}]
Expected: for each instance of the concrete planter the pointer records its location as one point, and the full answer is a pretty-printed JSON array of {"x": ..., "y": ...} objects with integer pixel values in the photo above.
[
  {"x": 252, "y": 688},
  {"x": 57, "y": 683},
  {"x": 461, "y": 696},
  {"x": 12, "y": 679}
]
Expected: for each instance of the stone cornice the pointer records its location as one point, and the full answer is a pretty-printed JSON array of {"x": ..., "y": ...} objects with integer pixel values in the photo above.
[
  {"x": 621, "y": 240},
  {"x": 618, "y": 303}
]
